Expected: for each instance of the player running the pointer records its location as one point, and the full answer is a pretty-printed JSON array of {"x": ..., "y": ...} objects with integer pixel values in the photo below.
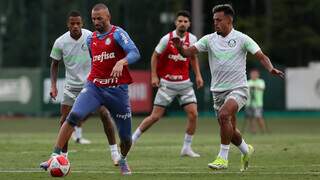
[
  {"x": 227, "y": 49},
  {"x": 170, "y": 73},
  {"x": 111, "y": 50},
  {"x": 71, "y": 48}
]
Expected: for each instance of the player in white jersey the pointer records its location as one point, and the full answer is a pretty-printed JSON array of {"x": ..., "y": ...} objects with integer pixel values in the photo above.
[
  {"x": 72, "y": 49},
  {"x": 227, "y": 50},
  {"x": 170, "y": 73}
]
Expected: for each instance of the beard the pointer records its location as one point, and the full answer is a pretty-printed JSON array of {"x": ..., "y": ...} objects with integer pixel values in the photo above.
[
  {"x": 182, "y": 31},
  {"x": 100, "y": 28}
]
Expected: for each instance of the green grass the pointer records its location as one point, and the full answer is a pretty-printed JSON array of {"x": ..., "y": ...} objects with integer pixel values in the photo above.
[{"x": 291, "y": 151}]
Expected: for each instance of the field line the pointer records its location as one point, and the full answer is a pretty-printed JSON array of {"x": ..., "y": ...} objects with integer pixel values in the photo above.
[{"x": 167, "y": 172}]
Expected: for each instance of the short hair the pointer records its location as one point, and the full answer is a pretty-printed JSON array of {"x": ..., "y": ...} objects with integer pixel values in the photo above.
[
  {"x": 99, "y": 6},
  {"x": 74, "y": 13},
  {"x": 226, "y": 8},
  {"x": 254, "y": 69},
  {"x": 183, "y": 13}
]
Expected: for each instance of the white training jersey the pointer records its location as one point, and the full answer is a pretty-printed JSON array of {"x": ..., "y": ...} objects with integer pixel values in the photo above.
[
  {"x": 75, "y": 56},
  {"x": 227, "y": 58},
  {"x": 164, "y": 41}
]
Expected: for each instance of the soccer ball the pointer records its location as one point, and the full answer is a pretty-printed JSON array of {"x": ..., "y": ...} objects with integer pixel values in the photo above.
[{"x": 59, "y": 166}]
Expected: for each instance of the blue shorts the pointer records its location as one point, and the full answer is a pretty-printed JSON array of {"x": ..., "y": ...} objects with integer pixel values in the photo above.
[{"x": 116, "y": 99}]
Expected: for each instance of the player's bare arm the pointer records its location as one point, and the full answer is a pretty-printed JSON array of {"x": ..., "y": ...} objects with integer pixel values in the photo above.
[
  {"x": 186, "y": 52},
  {"x": 194, "y": 61},
  {"x": 54, "y": 68},
  {"x": 154, "y": 76},
  {"x": 265, "y": 61}
]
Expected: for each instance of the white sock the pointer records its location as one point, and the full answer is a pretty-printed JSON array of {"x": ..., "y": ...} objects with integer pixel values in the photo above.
[
  {"x": 243, "y": 147},
  {"x": 123, "y": 157},
  {"x": 78, "y": 132},
  {"x": 65, "y": 154},
  {"x": 114, "y": 148},
  {"x": 224, "y": 151},
  {"x": 136, "y": 135},
  {"x": 187, "y": 141}
]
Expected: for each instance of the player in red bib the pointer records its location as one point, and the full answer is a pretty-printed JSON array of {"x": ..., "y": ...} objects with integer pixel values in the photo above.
[
  {"x": 111, "y": 51},
  {"x": 170, "y": 73}
]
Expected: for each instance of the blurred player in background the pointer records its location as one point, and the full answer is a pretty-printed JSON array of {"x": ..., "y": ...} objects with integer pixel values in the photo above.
[
  {"x": 254, "y": 106},
  {"x": 227, "y": 49},
  {"x": 170, "y": 73},
  {"x": 71, "y": 48},
  {"x": 112, "y": 50}
]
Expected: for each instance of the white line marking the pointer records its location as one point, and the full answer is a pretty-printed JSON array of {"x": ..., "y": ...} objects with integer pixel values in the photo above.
[{"x": 169, "y": 172}]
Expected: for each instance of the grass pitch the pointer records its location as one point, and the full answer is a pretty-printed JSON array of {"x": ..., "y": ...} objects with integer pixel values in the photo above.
[{"x": 290, "y": 151}]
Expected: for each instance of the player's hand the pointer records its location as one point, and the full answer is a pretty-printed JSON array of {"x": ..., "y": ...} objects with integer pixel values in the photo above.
[
  {"x": 177, "y": 42},
  {"x": 53, "y": 92},
  {"x": 118, "y": 67},
  {"x": 155, "y": 82},
  {"x": 277, "y": 72},
  {"x": 199, "y": 82}
]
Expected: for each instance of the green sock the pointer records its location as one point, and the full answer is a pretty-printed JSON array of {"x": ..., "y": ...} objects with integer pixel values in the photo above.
[{"x": 56, "y": 150}]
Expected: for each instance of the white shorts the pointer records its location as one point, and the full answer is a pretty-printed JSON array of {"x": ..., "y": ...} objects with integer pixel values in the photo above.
[
  {"x": 240, "y": 95},
  {"x": 169, "y": 90},
  {"x": 254, "y": 112},
  {"x": 69, "y": 95}
]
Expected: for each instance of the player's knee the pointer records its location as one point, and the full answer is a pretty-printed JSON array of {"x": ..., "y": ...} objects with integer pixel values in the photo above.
[
  {"x": 73, "y": 119},
  {"x": 193, "y": 115},
  {"x": 155, "y": 118},
  {"x": 103, "y": 111},
  {"x": 62, "y": 120},
  {"x": 224, "y": 116}
]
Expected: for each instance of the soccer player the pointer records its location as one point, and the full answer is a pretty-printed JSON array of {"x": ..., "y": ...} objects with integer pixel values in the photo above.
[
  {"x": 74, "y": 80},
  {"x": 71, "y": 48},
  {"x": 170, "y": 73},
  {"x": 111, "y": 50},
  {"x": 254, "y": 106},
  {"x": 227, "y": 49}
]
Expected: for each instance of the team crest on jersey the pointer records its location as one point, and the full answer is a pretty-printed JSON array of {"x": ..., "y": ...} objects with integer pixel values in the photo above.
[
  {"x": 232, "y": 43},
  {"x": 108, "y": 41},
  {"x": 84, "y": 47}
]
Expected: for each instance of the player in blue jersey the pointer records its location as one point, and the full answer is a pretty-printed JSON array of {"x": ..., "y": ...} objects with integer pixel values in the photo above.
[{"x": 112, "y": 50}]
